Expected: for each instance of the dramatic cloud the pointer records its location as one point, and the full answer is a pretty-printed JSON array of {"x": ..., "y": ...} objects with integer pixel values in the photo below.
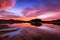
[
  {"x": 5, "y": 4},
  {"x": 47, "y": 15},
  {"x": 30, "y": 12},
  {"x": 7, "y": 15},
  {"x": 34, "y": 8}
]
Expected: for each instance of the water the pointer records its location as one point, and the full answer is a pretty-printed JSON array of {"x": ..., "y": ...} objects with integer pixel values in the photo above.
[{"x": 26, "y": 30}]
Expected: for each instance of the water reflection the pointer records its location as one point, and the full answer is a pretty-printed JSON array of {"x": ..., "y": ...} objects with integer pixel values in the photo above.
[
  {"x": 28, "y": 30},
  {"x": 25, "y": 31}
]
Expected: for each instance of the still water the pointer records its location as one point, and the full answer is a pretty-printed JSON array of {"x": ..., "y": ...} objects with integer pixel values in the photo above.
[
  {"x": 29, "y": 25},
  {"x": 46, "y": 31}
]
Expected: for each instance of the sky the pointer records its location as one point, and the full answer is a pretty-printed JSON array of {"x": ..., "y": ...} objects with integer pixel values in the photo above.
[
  {"x": 36, "y": 8},
  {"x": 24, "y": 5}
]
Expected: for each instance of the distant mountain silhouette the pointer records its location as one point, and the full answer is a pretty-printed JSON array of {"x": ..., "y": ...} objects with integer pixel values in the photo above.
[
  {"x": 55, "y": 22},
  {"x": 35, "y": 22},
  {"x": 11, "y": 21}
]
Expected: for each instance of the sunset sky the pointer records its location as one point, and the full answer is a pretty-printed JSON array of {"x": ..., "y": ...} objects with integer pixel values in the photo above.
[{"x": 44, "y": 9}]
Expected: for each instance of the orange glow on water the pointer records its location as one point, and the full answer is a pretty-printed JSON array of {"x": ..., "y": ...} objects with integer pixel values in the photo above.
[{"x": 23, "y": 25}]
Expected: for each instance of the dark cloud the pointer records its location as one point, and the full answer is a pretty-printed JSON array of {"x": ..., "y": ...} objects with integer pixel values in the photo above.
[{"x": 52, "y": 5}]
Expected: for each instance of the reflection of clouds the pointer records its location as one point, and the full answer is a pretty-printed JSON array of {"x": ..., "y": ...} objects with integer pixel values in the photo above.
[
  {"x": 49, "y": 30},
  {"x": 10, "y": 32},
  {"x": 14, "y": 33},
  {"x": 46, "y": 28},
  {"x": 52, "y": 26},
  {"x": 9, "y": 29}
]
